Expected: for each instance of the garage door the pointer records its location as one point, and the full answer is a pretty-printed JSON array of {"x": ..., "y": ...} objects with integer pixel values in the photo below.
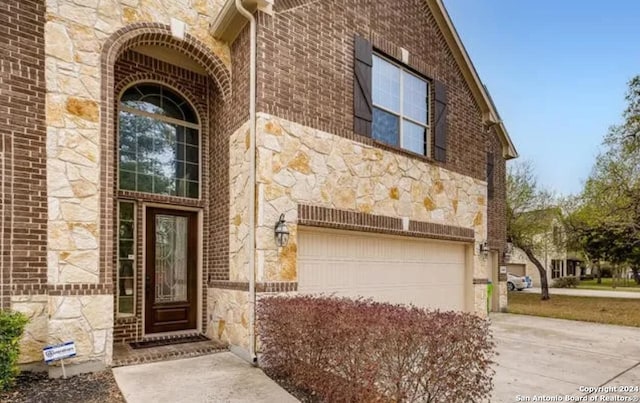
[
  {"x": 399, "y": 270},
  {"x": 516, "y": 269}
]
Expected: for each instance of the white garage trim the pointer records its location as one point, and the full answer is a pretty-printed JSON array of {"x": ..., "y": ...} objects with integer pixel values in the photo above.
[{"x": 427, "y": 273}]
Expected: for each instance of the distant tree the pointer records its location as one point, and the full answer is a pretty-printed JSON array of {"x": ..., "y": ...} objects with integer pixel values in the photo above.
[
  {"x": 606, "y": 225},
  {"x": 530, "y": 212},
  {"x": 584, "y": 234}
]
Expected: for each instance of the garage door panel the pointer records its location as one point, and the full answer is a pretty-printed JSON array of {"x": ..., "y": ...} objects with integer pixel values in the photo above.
[
  {"x": 442, "y": 296},
  {"x": 422, "y": 272},
  {"x": 433, "y": 252},
  {"x": 371, "y": 273}
]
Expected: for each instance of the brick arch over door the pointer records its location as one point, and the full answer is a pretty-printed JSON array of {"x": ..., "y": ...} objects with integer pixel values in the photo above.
[{"x": 148, "y": 34}]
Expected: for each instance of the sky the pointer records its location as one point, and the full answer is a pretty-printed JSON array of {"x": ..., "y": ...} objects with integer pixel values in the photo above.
[{"x": 558, "y": 73}]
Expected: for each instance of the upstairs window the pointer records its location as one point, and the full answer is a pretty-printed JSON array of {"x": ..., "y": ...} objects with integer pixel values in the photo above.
[
  {"x": 400, "y": 107},
  {"x": 391, "y": 104},
  {"x": 159, "y": 149}
]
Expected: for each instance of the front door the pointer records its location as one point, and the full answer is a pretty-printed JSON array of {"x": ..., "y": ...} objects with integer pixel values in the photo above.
[{"x": 171, "y": 270}]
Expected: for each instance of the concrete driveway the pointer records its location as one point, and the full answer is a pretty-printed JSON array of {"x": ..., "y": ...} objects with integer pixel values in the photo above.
[
  {"x": 220, "y": 377},
  {"x": 586, "y": 293},
  {"x": 554, "y": 357}
]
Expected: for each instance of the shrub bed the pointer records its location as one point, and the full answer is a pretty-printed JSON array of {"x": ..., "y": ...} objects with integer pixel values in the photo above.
[
  {"x": 11, "y": 327},
  {"x": 343, "y": 350},
  {"x": 566, "y": 282}
]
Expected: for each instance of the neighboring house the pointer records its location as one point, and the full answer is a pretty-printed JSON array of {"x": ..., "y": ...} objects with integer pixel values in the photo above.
[
  {"x": 558, "y": 264},
  {"x": 550, "y": 251},
  {"x": 132, "y": 205}
]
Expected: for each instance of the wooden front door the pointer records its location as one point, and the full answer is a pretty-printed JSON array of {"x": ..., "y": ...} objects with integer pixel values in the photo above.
[{"x": 171, "y": 292}]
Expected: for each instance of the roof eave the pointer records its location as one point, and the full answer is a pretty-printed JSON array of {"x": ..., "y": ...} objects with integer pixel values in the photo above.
[
  {"x": 489, "y": 113},
  {"x": 229, "y": 22}
]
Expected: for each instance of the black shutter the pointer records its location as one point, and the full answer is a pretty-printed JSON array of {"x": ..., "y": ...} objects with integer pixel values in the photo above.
[
  {"x": 440, "y": 132},
  {"x": 490, "y": 183},
  {"x": 362, "y": 104}
]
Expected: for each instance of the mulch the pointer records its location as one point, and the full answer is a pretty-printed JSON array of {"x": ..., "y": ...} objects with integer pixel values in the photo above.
[
  {"x": 304, "y": 396},
  {"x": 36, "y": 387}
]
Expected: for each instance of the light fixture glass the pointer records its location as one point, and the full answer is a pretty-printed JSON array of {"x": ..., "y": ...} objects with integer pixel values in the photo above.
[
  {"x": 484, "y": 248},
  {"x": 281, "y": 232}
]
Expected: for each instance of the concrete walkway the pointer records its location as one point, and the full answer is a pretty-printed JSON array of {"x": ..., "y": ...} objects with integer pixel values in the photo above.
[
  {"x": 586, "y": 293},
  {"x": 220, "y": 377},
  {"x": 550, "y": 357}
]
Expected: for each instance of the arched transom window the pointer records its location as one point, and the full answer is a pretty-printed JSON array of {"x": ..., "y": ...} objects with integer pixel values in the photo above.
[{"x": 159, "y": 142}]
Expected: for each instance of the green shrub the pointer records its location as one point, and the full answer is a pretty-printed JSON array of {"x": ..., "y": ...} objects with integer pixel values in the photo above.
[
  {"x": 11, "y": 328},
  {"x": 566, "y": 282},
  {"x": 343, "y": 350}
]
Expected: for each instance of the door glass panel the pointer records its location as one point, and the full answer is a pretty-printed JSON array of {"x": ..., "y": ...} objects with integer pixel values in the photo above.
[
  {"x": 126, "y": 257},
  {"x": 171, "y": 258}
]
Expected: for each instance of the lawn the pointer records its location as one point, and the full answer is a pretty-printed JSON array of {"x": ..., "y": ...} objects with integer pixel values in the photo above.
[
  {"x": 613, "y": 311},
  {"x": 621, "y": 285}
]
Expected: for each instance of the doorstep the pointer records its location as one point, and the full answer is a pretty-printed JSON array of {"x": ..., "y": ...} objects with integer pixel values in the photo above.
[{"x": 124, "y": 354}]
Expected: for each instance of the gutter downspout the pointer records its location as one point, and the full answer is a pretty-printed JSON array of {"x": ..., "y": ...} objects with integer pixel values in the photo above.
[{"x": 252, "y": 181}]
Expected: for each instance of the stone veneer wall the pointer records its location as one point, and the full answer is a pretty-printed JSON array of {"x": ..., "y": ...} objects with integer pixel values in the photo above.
[
  {"x": 75, "y": 32},
  {"x": 298, "y": 164},
  {"x": 302, "y": 165},
  {"x": 239, "y": 188},
  {"x": 36, "y": 334},
  {"x": 228, "y": 312},
  {"x": 228, "y": 300}
]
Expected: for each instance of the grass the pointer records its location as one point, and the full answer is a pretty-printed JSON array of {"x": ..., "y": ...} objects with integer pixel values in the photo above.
[
  {"x": 612, "y": 311},
  {"x": 607, "y": 284}
]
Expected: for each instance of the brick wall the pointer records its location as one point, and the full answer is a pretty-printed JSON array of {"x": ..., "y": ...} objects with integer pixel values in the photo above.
[
  {"x": 306, "y": 67},
  {"x": 23, "y": 198},
  {"x": 227, "y": 118},
  {"x": 497, "y": 206}
]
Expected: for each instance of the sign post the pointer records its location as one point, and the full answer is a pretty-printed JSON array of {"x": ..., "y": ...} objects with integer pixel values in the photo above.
[{"x": 59, "y": 352}]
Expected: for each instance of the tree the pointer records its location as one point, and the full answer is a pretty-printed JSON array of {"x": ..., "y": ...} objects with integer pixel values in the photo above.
[
  {"x": 607, "y": 223},
  {"x": 584, "y": 234},
  {"x": 530, "y": 216}
]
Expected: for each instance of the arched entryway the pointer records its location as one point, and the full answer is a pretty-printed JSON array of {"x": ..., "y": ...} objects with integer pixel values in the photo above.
[{"x": 162, "y": 174}]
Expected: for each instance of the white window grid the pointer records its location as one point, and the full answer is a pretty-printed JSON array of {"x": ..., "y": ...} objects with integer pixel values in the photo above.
[
  {"x": 134, "y": 260},
  {"x": 166, "y": 119},
  {"x": 402, "y": 116}
]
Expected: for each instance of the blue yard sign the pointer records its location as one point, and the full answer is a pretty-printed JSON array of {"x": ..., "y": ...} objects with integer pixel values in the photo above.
[{"x": 59, "y": 351}]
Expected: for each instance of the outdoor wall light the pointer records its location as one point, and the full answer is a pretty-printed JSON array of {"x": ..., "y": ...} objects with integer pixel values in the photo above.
[
  {"x": 281, "y": 232},
  {"x": 484, "y": 248}
]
